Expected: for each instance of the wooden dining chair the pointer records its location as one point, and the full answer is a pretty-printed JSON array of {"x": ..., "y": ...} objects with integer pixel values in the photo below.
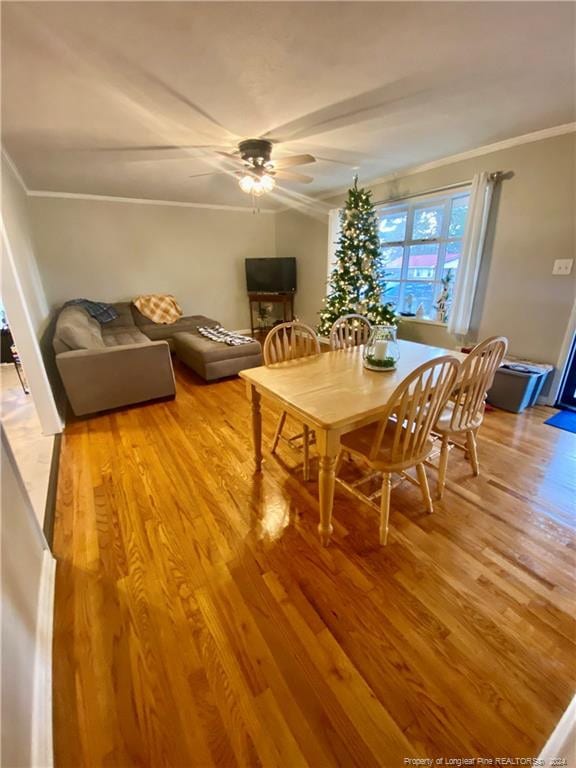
[
  {"x": 464, "y": 411},
  {"x": 401, "y": 439},
  {"x": 349, "y": 331},
  {"x": 291, "y": 341}
]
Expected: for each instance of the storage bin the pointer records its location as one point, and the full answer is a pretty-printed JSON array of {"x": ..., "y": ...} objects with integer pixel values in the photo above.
[{"x": 515, "y": 389}]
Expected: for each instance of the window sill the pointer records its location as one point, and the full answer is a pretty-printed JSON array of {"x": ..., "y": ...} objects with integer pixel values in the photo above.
[{"x": 424, "y": 320}]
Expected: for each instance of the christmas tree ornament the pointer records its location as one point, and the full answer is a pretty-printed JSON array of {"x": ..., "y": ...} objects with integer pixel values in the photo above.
[{"x": 356, "y": 283}]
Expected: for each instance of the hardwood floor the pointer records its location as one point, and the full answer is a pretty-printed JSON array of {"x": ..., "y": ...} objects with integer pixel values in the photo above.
[{"x": 199, "y": 622}]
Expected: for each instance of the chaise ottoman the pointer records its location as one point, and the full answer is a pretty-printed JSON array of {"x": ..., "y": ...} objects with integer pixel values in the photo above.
[{"x": 212, "y": 359}]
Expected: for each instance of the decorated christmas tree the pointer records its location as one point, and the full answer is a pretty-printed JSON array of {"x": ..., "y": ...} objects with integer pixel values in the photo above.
[{"x": 357, "y": 281}]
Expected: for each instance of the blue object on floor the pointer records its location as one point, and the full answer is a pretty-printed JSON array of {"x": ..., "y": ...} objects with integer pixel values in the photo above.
[{"x": 563, "y": 420}]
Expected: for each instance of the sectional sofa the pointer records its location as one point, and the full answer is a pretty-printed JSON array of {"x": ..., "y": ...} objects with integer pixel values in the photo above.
[{"x": 127, "y": 360}]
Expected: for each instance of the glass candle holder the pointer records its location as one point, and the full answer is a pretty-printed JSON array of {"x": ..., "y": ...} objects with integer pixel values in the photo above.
[{"x": 381, "y": 353}]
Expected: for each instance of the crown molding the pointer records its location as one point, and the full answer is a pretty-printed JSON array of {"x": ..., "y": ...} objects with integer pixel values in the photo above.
[
  {"x": 111, "y": 198},
  {"x": 527, "y": 138},
  {"x": 12, "y": 165},
  {"x": 142, "y": 201},
  {"x": 515, "y": 141}
]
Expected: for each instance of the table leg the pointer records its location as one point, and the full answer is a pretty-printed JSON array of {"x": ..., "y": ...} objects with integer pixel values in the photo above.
[
  {"x": 328, "y": 444},
  {"x": 255, "y": 398},
  {"x": 306, "y": 452}
]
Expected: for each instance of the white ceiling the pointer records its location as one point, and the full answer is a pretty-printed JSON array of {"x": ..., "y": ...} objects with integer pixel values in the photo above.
[{"x": 378, "y": 86}]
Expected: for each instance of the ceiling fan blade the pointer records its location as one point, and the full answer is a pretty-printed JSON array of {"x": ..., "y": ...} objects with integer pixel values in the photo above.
[
  {"x": 232, "y": 158},
  {"x": 229, "y": 155},
  {"x": 287, "y": 162},
  {"x": 338, "y": 162},
  {"x": 210, "y": 173},
  {"x": 152, "y": 148},
  {"x": 293, "y": 176},
  {"x": 378, "y": 103}
]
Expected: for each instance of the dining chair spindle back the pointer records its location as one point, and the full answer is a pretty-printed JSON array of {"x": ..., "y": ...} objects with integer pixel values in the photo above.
[
  {"x": 401, "y": 439},
  {"x": 464, "y": 412},
  {"x": 291, "y": 341},
  {"x": 349, "y": 331}
]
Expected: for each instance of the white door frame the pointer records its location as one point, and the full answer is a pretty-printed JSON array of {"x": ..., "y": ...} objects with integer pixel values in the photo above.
[
  {"x": 22, "y": 329},
  {"x": 565, "y": 350}
]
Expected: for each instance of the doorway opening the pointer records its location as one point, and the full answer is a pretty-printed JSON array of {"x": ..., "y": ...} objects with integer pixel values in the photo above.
[
  {"x": 567, "y": 396},
  {"x": 32, "y": 450}
]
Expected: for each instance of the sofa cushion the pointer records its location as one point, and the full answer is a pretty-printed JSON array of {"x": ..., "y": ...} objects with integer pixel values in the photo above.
[
  {"x": 124, "y": 319},
  {"x": 116, "y": 337},
  {"x": 213, "y": 360},
  {"x": 194, "y": 344},
  {"x": 158, "y": 332},
  {"x": 75, "y": 329}
]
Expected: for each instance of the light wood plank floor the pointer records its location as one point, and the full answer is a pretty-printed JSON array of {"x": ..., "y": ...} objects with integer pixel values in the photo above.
[{"x": 199, "y": 622}]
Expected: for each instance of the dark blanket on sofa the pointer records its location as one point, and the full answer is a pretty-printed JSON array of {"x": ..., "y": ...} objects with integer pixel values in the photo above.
[{"x": 104, "y": 313}]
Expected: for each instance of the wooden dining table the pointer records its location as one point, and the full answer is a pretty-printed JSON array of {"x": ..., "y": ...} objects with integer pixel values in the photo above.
[{"x": 331, "y": 393}]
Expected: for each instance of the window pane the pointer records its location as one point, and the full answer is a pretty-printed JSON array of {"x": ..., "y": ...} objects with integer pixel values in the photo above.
[
  {"x": 422, "y": 262},
  {"x": 452, "y": 258},
  {"x": 392, "y": 226},
  {"x": 391, "y": 293},
  {"x": 421, "y": 293},
  {"x": 427, "y": 222},
  {"x": 458, "y": 216},
  {"x": 392, "y": 261}
]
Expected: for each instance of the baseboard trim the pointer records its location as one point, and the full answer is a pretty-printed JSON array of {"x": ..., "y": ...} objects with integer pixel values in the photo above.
[
  {"x": 562, "y": 743},
  {"x": 42, "y": 736},
  {"x": 50, "y": 509}
]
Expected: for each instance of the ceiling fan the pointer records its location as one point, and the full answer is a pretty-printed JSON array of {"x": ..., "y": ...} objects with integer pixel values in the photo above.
[{"x": 257, "y": 171}]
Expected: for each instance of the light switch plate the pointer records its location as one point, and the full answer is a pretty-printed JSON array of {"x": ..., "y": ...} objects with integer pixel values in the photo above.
[{"x": 562, "y": 266}]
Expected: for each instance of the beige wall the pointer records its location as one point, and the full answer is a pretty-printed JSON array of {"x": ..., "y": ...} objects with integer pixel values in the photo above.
[
  {"x": 113, "y": 251},
  {"x": 16, "y": 217},
  {"x": 305, "y": 238},
  {"x": 23, "y": 593},
  {"x": 25, "y": 301},
  {"x": 533, "y": 224}
]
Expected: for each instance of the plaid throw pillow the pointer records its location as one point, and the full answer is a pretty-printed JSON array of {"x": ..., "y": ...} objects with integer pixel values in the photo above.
[{"x": 159, "y": 307}]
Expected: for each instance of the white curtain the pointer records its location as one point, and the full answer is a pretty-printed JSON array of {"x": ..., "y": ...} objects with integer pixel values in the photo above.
[
  {"x": 471, "y": 256},
  {"x": 333, "y": 235}
]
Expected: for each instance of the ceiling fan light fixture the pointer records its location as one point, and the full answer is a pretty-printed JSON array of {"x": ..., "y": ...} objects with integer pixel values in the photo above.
[
  {"x": 268, "y": 182},
  {"x": 257, "y": 186},
  {"x": 247, "y": 183}
]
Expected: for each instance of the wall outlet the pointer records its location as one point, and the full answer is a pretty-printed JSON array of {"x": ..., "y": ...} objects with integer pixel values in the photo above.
[{"x": 562, "y": 266}]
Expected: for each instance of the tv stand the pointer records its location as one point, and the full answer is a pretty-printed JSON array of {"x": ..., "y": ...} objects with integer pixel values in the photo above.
[{"x": 286, "y": 299}]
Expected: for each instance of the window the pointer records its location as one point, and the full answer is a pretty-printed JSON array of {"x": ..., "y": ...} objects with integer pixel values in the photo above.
[{"x": 421, "y": 242}]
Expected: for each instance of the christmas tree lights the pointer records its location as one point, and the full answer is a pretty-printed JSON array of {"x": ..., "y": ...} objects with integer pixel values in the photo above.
[{"x": 356, "y": 284}]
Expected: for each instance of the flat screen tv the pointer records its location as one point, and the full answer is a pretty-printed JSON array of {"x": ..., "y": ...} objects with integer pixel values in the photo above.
[{"x": 271, "y": 275}]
